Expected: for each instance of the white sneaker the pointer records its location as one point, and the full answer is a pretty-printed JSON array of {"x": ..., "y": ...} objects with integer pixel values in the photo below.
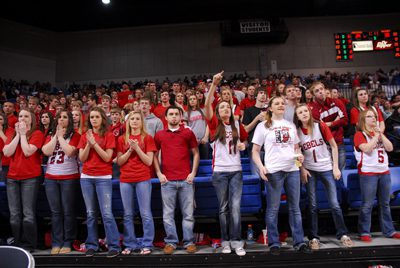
[
  {"x": 226, "y": 250},
  {"x": 240, "y": 251},
  {"x": 314, "y": 244}
]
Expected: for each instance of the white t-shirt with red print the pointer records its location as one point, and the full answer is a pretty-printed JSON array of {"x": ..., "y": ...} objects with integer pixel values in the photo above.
[
  {"x": 317, "y": 156},
  {"x": 226, "y": 157},
  {"x": 59, "y": 165},
  {"x": 372, "y": 163},
  {"x": 279, "y": 141}
]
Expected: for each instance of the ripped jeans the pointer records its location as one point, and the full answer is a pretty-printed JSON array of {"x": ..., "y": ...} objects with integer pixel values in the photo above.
[{"x": 102, "y": 190}]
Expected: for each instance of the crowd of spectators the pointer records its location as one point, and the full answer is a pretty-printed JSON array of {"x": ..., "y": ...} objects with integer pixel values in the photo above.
[{"x": 10, "y": 89}]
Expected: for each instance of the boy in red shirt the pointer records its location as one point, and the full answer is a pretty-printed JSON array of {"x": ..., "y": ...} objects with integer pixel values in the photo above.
[{"x": 176, "y": 177}]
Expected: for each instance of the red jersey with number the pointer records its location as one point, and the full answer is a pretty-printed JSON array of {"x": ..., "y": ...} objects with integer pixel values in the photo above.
[
  {"x": 95, "y": 165},
  {"x": 317, "y": 156},
  {"x": 134, "y": 170},
  {"x": 22, "y": 167},
  {"x": 59, "y": 165},
  {"x": 372, "y": 163}
]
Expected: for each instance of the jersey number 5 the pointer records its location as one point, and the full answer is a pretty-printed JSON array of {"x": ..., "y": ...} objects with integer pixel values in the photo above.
[{"x": 381, "y": 156}]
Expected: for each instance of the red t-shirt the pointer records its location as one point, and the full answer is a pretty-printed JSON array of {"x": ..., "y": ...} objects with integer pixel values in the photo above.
[
  {"x": 246, "y": 103},
  {"x": 355, "y": 113},
  {"x": 94, "y": 165},
  {"x": 22, "y": 167},
  {"x": 175, "y": 151},
  {"x": 159, "y": 111},
  {"x": 5, "y": 161},
  {"x": 123, "y": 98},
  {"x": 134, "y": 170},
  {"x": 12, "y": 119}
]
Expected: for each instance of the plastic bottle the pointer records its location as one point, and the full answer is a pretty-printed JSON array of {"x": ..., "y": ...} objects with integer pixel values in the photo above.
[{"x": 250, "y": 234}]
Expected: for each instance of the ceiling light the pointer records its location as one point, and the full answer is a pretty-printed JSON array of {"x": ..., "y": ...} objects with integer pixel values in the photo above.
[{"x": 106, "y": 2}]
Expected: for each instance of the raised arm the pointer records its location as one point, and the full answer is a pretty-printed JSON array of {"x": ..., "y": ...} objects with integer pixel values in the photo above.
[{"x": 208, "y": 110}]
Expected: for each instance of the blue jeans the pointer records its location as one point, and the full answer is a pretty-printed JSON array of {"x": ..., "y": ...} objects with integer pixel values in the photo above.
[
  {"x": 291, "y": 182},
  {"x": 143, "y": 193},
  {"x": 61, "y": 195},
  {"x": 228, "y": 186},
  {"x": 99, "y": 191},
  {"x": 328, "y": 181},
  {"x": 185, "y": 192},
  {"x": 369, "y": 186},
  {"x": 342, "y": 164},
  {"x": 22, "y": 197}
]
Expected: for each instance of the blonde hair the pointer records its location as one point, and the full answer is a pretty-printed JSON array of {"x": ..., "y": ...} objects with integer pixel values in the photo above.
[
  {"x": 268, "y": 117},
  {"x": 361, "y": 120},
  {"x": 143, "y": 131},
  {"x": 314, "y": 84}
]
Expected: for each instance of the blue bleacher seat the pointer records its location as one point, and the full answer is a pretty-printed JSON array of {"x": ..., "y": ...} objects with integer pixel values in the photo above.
[{"x": 395, "y": 189}]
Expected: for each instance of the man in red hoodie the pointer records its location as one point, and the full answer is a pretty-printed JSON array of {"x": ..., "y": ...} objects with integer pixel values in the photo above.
[{"x": 333, "y": 113}]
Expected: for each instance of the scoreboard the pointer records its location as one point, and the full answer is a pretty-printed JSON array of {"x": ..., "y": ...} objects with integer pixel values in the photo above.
[{"x": 346, "y": 44}]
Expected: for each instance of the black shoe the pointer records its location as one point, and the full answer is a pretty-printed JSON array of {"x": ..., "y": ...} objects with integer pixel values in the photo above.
[
  {"x": 90, "y": 252},
  {"x": 276, "y": 251},
  {"x": 112, "y": 253},
  {"x": 304, "y": 249}
]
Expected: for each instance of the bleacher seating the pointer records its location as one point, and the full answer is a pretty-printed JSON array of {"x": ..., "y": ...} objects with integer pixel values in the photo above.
[{"x": 206, "y": 201}]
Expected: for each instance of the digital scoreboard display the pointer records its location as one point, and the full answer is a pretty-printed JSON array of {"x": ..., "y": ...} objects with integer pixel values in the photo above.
[{"x": 346, "y": 44}]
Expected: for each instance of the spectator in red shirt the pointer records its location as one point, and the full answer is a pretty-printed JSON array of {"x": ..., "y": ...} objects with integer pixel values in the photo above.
[
  {"x": 361, "y": 102},
  {"x": 135, "y": 156},
  {"x": 6, "y": 133},
  {"x": 160, "y": 109},
  {"x": 95, "y": 151},
  {"x": 23, "y": 179},
  {"x": 53, "y": 104},
  {"x": 176, "y": 178},
  {"x": 9, "y": 109},
  {"x": 249, "y": 101}
]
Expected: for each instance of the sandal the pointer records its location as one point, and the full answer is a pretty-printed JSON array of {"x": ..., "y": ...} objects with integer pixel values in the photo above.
[
  {"x": 346, "y": 241},
  {"x": 145, "y": 251},
  {"x": 126, "y": 251}
]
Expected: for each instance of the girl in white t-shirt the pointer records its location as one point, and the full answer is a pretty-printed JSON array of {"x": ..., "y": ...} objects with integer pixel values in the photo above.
[
  {"x": 318, "y": 164},
  {"x": 282, "y": 157},
  {"x": 370, "y": 147},
  {"x": 228, "y": 139}
]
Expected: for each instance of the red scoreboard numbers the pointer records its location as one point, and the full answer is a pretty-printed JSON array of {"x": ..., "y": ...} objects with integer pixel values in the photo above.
[{"x": 346, "y": 44}]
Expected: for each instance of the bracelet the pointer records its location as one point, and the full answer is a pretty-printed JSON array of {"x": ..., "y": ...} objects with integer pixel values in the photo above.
[{"x": 95, "y": 144}]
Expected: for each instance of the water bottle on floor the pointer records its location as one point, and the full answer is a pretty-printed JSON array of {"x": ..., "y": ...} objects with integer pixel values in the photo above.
[{"x": 250, "y": 234}]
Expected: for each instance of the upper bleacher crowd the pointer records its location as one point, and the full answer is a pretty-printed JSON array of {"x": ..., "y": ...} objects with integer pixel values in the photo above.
[{"x": 124, "y": 133}]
